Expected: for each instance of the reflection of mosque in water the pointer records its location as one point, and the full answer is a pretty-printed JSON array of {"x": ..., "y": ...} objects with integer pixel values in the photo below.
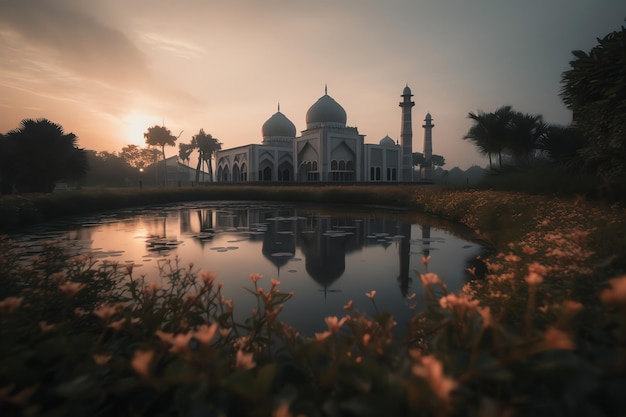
[{"x": 324, "y": 241}]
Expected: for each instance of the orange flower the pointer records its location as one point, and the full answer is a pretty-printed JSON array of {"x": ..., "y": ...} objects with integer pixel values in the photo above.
[
  {"x": 180, "y": 342},
  {"x": 432, "y": 371},
  {"x": 70, "y": 288},
  {"x": 430, "y": 279},
  {"x": 616, "y": 294},
  {"x": 370, "y": 294},
  {"x": 45, "y": 327},
  {"x": 334, "y": 324},
  {"x": 207, "y": 277},
  {"x": 557, "y": 339},
  {"x": 205, "y": 333},
  {"x": 101, "y": 360},
  {"x": 245, "y": 361},
  {"x": 322, "y": 336},
  {"x": 141, "y": 362},
  {"x": 348, "y": 306}
]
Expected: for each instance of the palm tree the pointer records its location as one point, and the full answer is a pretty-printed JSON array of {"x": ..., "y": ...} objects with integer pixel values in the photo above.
[
  {"x": 489, "y": 132},
  {"x": 43, "y": 155},
  {"x": 184, "y": 151},
  {"x": 161, "y": 136},
  {"x": 525, "y": 132},
  {"x": 206, "y": 145}
]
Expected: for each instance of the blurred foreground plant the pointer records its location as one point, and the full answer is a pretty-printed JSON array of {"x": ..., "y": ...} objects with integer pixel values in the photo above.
[{"x": 86, "y": 338}]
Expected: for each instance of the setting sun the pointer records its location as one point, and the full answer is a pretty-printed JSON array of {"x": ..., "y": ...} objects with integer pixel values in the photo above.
[{"x": 134, "y": 125}]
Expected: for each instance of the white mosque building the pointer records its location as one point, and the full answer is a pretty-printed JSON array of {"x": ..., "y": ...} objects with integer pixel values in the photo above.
[{"x": 327, "y": 151}]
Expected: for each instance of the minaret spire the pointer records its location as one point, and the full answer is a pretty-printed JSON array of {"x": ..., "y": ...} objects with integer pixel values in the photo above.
[
  {"x": 428, "y": 147},
  {"x": 406, "y": 135}
]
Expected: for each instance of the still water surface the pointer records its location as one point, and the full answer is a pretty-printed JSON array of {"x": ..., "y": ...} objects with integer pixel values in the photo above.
[{"x": 326, "y": 256}]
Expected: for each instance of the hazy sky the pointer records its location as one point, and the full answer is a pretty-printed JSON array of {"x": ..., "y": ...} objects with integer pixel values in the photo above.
[{"x": 107, "y": 70}]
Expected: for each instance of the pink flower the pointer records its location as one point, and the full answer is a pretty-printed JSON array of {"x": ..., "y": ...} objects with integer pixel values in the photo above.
[
  {"x": 275, "y": 283},
  {"x": 431, "y": 370},
  {"x": 224, "y": 332},
  {"x": 101, "y": 360},
  {"x": 164, "y": 336},
  {"x": 105, "y": 312},
  {"x": 370, "y": 294},
  {"x": 205, "y": 333},
  {"x": 533, "y": 278},
  {"x": 425, "y": 260},
  {"x": 322, "y": 336},
  {"x": 70, "y": 288},
  {"x": 207, "y": 277},
  {"x": 557, "y": 339},
  {"x": 10, "y": 304},
  {"x": 616, "y": 294},
  {"x": 245, "y": 361},
  {"x": 180, "y": 342},
  {"x": 255, "y": 277},
  {"x": 117, "y": 325},
  {"x": 348, "y": 306},
  {"x": 141, "y": 362},
  {"x": 430, "y": 279},
  {"x": 334, "y": 324},
  {"x": 45, "y": 327}
]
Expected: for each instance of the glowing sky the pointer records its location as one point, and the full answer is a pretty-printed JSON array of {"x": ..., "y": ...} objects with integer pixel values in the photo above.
[{"x": 107, "y": 70}]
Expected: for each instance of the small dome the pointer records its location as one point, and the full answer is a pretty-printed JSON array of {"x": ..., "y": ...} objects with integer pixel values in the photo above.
[
  {"x": 406, "y": 91},
  {"x": 326, "y": 111},
  {"x": 387, "y": 141},
  {"x": 278, "y": 126}
]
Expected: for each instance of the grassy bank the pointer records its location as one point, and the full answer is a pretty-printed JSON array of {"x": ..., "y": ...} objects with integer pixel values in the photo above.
[
  {"x": 17, "y": 211},
  {"x": 541, "y": 331}
]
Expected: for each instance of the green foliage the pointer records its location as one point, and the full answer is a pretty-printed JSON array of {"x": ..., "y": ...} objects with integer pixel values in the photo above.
[
  {"x": 595, "y": 89},
  {"x": 37, "y": 154},
  {"x": 82, "y": 338},
  {"x": 507, "y": 131}
]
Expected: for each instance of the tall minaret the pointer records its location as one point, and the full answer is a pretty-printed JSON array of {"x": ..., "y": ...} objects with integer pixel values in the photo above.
[
  {"x": 406, "y": 135},
  {"x": 428, "y": 148}
]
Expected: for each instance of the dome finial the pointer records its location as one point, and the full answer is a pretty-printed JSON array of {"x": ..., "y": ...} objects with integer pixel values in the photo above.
[
  {"x": 325, "y": 89},
  {"x": 279, "y": 106}
]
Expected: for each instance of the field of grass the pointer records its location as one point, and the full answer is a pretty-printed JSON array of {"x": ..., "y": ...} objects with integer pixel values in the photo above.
[{"x": 541, "y": 332}]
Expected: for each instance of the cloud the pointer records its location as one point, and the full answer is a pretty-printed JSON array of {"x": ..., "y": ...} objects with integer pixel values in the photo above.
[
  {"x": 74, "y": 54},
  {"x": 75, "y": 40}
]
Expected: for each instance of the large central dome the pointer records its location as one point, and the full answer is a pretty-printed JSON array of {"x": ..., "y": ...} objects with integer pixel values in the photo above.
[{"x": 326, "y": 111}]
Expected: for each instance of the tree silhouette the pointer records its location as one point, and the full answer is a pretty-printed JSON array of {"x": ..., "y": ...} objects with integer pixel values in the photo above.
[
  {"x": 506, "y": 131},
  {"x": 489, "y": 132},
  {"x": 206, "y": 145},
  {"x": 594, "y": 88},
  {"x": 161, "y": 136},
  {"x": 184, "y": 152},
  {"x": 38, "y": 154},
  {"x": 138, "y": 157}
]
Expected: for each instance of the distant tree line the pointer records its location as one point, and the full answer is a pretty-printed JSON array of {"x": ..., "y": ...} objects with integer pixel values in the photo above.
[{"x": 594, "y": 88}]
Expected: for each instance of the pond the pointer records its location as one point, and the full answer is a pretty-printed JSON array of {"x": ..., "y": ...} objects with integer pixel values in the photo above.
[{"x": 326, "y": 256}]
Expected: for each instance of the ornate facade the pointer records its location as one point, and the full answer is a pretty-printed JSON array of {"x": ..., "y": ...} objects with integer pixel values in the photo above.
[{"x": 327, "y": 151}]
